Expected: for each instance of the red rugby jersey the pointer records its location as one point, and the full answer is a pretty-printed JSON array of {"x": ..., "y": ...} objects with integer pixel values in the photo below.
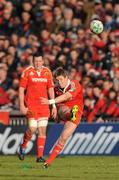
[
  {"x": 76, "y": 90},
  {"x": 36, "y": 85}
]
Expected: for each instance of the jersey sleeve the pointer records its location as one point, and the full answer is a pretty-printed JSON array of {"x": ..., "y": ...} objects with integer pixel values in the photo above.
[
  {"x": 75, "y": 89},
  {"x": 24, "y": 79},
  {"x": 50, "y": 79}
]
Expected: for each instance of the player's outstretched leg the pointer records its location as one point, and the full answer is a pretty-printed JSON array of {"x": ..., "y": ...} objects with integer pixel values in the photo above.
[
  {"x": 69, "y": 128},
  {"x": 56, "y": 150},
  {"x": 27, "y": 137},
  {"x": 40, "y": 148}
]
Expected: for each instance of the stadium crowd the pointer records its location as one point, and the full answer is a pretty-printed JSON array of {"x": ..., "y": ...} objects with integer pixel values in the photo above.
[{"x": 60, "y": 29}]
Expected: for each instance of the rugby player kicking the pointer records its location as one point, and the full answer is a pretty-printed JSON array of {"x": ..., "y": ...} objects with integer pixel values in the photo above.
[{"x": 69, "y": 94}]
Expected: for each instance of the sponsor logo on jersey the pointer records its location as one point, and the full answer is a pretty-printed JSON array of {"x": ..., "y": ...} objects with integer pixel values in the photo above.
[
  {"x": 73, "y": 87},
  {"x": 39, "y": 79},
  {"x": 46, "y": 73},
  {"x": 31, "y": 73}
]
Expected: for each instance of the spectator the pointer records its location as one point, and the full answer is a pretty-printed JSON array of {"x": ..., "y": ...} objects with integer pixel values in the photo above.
[
  {"x": 61, "y": 30},
  {"x": 5, "y": 82},
  {"x": 4, "y": 98}
]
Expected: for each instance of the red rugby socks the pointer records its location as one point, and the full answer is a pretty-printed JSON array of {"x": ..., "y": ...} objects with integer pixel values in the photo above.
[
  {"x": 56, "y": 150},
  {"x": 27, "y": 137},
  {"x": 40, "y": 145}
]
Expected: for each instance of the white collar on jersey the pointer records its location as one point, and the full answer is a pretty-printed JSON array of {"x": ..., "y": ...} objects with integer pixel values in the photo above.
[
  {"x": 68, "y": 83},
  {"x": 38, "y": 72}
]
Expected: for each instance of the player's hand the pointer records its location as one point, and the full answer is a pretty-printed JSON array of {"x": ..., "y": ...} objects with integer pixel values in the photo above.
[
  {"x": 44, "y": 100},
  {"x": 23, "y": 109},
  {"x": 54, "y": 112}
]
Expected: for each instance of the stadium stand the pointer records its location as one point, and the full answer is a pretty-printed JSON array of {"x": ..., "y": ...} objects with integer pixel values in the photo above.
[{"x": 61, "y": 30}]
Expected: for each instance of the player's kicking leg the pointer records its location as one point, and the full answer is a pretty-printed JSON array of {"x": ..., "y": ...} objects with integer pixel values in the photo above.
[{"x": 68, "y": 129}]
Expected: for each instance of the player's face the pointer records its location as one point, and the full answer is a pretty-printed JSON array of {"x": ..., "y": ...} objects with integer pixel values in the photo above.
[
  {"x": 62, "y": 81},
  {"x": 38, "y": 62}
]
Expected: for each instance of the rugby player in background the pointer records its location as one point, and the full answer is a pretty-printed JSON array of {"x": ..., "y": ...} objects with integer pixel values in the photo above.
[{"x": 36, "y": 82}]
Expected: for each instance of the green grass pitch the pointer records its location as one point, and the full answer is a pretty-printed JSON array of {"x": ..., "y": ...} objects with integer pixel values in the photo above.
[{"x": 63, "y": 168}]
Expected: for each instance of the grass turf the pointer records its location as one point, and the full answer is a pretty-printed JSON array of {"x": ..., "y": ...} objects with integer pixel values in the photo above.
[{"x": 64, "y": 168}]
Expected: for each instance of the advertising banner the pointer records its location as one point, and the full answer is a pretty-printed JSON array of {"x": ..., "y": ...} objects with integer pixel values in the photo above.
[
  {"x": 88, "y": 139},
  {"x": 11, "y": 137}
]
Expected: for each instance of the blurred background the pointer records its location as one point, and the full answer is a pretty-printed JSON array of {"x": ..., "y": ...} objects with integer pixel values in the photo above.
[{"x": 60, "y": 29}]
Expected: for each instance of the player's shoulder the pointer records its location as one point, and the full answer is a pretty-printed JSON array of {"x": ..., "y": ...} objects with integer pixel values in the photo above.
[
  {"x": 46, "y": 71},
  {"x": 27, "y": 70},
  {"x": 76, "y": 83}
]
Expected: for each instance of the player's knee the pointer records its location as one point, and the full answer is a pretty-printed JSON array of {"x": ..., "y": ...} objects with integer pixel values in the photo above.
[
  {"x": 42, "y": 134},
  {"x": 42, "y": 125},
  {"x": 42, "y": 131},
  {"x": 32, "y": 130}
]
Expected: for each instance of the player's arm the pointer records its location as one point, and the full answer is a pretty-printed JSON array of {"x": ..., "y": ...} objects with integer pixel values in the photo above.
[
  {"x": 72, "y": 93},
  {"x": 23, "y": 109},
  {"x": 21, "y": 96},
  {"x": 52, "y": 94},
  {"x": 23, "y": 84},
  {"x": 64, "y": 97},
  {"x": 50, "y": 86}
]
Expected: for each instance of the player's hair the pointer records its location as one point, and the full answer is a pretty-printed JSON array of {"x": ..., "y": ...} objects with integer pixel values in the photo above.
[
  {"x": 60, "y": 72},
  {"x": 38, "y": 54}
]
